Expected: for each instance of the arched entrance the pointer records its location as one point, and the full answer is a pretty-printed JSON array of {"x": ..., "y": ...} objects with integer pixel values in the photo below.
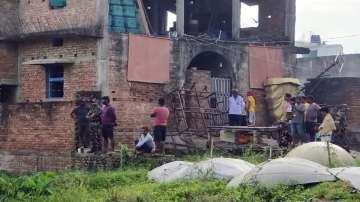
[
  {"x": 220, "y": 75},
  {"x": 217, "y": 64}
]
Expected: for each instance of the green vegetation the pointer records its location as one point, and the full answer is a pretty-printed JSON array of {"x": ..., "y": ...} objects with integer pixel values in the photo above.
[
  {"x": 358, "y": 162},
  {"x": 131, "y": 184}
]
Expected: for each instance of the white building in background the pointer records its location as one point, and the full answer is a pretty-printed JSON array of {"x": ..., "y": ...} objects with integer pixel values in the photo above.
[{"x": 319, "y": 48}]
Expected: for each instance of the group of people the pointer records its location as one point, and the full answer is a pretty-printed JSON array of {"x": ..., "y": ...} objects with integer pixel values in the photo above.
[
  {"x": 94, "y": 123},
  {"x": 242, "y": 111},
  {"x": 94, "y": 127},
  {"x": 302, "y": 116}
]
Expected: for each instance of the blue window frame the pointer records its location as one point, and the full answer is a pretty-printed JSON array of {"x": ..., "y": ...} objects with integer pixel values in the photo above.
[
  {"x": 55, "y": 81},
  {"x": 57, "y": 4}
]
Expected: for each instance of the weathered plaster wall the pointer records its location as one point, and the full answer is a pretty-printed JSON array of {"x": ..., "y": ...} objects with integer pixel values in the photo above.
[{"x": 8, "y": 17}]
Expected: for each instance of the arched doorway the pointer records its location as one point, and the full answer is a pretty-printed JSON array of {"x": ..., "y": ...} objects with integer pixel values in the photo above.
[
  {"x": 220, "y": 75},
  {"x": 217, "y": 64}
]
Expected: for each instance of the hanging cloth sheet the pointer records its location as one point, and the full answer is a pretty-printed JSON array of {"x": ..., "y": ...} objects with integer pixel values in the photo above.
[
  {"x": 265, "y": 63},
  {"x": 149, "y": 59}
]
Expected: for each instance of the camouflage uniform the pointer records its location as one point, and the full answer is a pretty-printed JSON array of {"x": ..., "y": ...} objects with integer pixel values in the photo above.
[{"x": 95, "y": 127}]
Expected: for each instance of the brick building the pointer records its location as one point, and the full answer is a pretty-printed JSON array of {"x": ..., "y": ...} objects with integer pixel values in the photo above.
[{"x": 53, "y": 50}]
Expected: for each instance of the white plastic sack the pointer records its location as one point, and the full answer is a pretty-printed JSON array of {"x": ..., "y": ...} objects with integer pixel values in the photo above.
[
  {"x": 220, "y": 168},
  {"x": 350, "y": 175},
  {"x": 286, "y": 171},
  {"x": 169, "y": 172},
  {"x": 318, "y": 152}
]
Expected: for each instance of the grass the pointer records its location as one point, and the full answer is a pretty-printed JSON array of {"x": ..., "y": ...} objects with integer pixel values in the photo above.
[
  {"x": 131, "y": 184},
  {"x": 358, "y": 162}
]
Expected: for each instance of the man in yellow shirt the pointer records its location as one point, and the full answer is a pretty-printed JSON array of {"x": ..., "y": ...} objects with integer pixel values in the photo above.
[
  {"x": 327, "y": 126},
  {"x": 251, "y": 108}
]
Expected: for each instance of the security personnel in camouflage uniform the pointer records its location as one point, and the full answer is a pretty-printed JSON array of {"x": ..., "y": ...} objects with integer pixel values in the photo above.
[
  {"x": 95, "y": 126},
  {"x": 79, "y": 114}
]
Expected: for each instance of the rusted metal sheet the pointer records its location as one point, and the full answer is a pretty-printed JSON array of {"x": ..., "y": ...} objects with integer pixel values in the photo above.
[
  {"x": 149, "y": 59},
  {"x": 264, "y": 63}
]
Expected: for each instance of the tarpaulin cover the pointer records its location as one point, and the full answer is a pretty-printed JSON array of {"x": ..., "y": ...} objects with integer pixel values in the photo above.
[
  {"x": 285, "y": 171},
  {"x": 264, "y": 63},
  {"x": 275, "y": 90},
  {"x": 318, "y": 152},
  {"x": 177, "y": 170},
  {"x": 219, "y": 168},
  {"x": 149, "y": 59},
  {"x": 350, "y": 175}
]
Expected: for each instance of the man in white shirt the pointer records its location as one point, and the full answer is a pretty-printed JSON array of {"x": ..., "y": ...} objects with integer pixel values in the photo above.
[
  {"x": 145, "y": 143},
  {"x": 236, "y": 109}
]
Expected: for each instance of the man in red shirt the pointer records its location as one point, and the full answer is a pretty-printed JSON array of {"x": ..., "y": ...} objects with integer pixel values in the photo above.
[{"x": 160, "y": 116}]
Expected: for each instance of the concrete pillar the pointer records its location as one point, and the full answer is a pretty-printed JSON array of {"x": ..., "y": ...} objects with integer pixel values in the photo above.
[
  {"x": 290, "y": 19},
  {"x": 180, "y": 17},
  {"x": 236, "y": 15}
]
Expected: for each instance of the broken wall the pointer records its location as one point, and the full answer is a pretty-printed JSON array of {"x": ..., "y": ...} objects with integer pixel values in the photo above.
[{"x": 276, "y": 21}]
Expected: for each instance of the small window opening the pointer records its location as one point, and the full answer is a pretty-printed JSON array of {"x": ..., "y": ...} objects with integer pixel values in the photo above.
[
  {"x": 57, "y": 42},
  {"x": 171, "y": 21},
  {"x": 57, "y": 4},
  {"x": 249, "y": 16},
  {"x": 55, "y": 81}
]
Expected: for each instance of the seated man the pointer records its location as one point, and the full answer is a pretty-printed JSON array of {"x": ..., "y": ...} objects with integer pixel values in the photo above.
[{"x": 145, "y": 144}]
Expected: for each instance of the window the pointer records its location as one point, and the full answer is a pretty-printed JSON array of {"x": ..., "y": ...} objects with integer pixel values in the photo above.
[
  {"x": 170, "y": 21},
  {"x": 55, "y": 81},
  {"x": 249, "y": 16},
  {"x": 57, "y": 4}
]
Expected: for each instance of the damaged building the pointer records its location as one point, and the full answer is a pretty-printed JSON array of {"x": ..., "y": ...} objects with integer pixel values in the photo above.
[{"x": 54, "y": 51}]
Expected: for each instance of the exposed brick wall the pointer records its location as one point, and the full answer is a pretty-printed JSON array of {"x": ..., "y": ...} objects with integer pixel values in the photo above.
[
  {"x": 81, "y": 76},
  {"x": 201, "y": 78},
  {"x": 8, "y": 61},
  {"x": 133, "y": 101},
  {"x": 39, "y": 136},
  {"x": 39, "y": 127},
  {"x": 37, "y": 16}
]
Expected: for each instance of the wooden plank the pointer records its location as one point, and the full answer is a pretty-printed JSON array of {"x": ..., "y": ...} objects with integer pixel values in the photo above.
[{"x": 143, "y": 17}]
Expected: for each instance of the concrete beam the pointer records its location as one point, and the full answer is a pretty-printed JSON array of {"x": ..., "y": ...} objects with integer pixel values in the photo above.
[
  {"x": 180, "y": 17},
  {"x": 236, "y": 15}
]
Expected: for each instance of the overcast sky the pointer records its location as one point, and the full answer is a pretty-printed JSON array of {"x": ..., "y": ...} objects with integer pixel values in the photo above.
[{"x": 337, "y": 21}]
